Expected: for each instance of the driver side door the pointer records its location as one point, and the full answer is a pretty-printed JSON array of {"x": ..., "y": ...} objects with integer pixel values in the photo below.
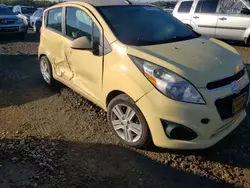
[{"x": 86, "y": 65}]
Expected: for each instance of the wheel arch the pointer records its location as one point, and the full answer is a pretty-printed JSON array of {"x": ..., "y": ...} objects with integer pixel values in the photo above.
[{"x": 112, "y": 95}]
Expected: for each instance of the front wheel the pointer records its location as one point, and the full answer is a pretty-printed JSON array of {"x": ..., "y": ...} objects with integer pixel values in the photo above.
[{"x": 128, "y": 122}]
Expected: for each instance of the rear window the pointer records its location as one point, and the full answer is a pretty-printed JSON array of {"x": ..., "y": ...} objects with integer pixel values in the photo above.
[
  {"x": 54, "y": 19},
  {"x": 185, "y": 6}
]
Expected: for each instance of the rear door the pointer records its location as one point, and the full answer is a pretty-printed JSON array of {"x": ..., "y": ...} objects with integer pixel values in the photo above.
[
  {"x": 232, "y": 24},
  {"x": 183, "y": 12},
  {"x": 53, "y": 39},
  {"x": 205, "y": 17}
]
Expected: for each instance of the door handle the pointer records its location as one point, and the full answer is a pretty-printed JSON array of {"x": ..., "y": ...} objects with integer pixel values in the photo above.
[
  {"x": 196, "y": 17},
  {"x": 223, "y": 18}
]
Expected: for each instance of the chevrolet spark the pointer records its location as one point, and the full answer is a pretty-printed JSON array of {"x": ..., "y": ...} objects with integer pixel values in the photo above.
[{"x": 157, "y": 79}]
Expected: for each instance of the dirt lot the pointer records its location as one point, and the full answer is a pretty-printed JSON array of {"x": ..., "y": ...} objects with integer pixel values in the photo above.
[{"x": 52, "y": 137}]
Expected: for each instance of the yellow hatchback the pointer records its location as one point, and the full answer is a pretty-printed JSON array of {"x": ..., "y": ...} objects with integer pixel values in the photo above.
[{"x": 156, "y": 78}]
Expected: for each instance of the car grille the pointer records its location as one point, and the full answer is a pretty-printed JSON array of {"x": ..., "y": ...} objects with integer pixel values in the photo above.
[
  {"x": 9, "y": 29},
  {"x": 225, "y": 105},
  {"x": 7, "y": 22},
  {"x": 226, "y": 81}
]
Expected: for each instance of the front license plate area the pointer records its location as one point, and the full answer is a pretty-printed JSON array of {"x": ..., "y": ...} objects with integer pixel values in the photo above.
[{"x": 239, "y": 103}]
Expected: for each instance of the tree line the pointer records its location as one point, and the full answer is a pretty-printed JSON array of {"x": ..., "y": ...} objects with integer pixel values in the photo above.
[
  {"x": 40, "y": 3},
  {"x": 165, "y": 4}
]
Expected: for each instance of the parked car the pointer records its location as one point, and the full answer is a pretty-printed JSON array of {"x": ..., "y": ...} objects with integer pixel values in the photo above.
[
  {"x": 24, "y": 12},
  {"x": 10, "y": 23},
  {"x": 156, "y": 78},
  {"x": 10, "y": 7},
  {"x": 223, "y": 19},
  {"x": 37, "y": 15},
  {"x": 168, "y": 10},
  {"x": 37, "y": 26}
]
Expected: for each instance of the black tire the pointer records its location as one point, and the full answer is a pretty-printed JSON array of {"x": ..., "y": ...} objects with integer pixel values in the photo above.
[
  {"x": 145, "y": 138},
  {"x": 51, "y": 81},
  {"x": 248, "y": 42},
  {"x": 22, "y": 36}
]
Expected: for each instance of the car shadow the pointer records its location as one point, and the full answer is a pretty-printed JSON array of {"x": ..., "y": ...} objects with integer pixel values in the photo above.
[
  {"x": 89, "y": 165},
  {"x": 21, "y": 81},
  {"x": 30, "y": 37}
]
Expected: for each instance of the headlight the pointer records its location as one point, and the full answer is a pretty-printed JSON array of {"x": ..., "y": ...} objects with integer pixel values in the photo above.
[{"x": 169, "y": 83}]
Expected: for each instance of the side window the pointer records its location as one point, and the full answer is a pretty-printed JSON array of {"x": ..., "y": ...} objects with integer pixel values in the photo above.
[
  {"x": 78, "y": 23},
  {"x": 36, "y": 13},
  {"x": 185, "y": 6},
  {"x": 232, "y": 7},
  {"x": 55, "y": 19},
  {"x": 208, "y": 6}
]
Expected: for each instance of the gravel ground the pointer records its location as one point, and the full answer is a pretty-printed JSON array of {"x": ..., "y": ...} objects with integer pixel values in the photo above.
[{"x": 52, "y": 137}]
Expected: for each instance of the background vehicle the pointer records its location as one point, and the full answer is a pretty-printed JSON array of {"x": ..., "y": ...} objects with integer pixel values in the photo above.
[
  {"x": 10, "y": 23},
  {"x": 36, "y": 19},
  {"x": 10, "y": 7},
  {"x": 24, "y": 12},
  {"x": 224, "y": 19},
  {"x": 37, "y": 25},
  {"x": 168, "y": 10}
]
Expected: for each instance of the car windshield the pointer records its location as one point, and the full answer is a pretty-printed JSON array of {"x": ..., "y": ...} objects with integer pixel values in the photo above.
[
  {"x": 5, "y": 11},
  {"x": 28, "y": 10},
  {"x": 144, "y": 25}
]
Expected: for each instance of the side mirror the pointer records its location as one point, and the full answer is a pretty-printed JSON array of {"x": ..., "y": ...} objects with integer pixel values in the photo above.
[{"x": 82, "y": 43}]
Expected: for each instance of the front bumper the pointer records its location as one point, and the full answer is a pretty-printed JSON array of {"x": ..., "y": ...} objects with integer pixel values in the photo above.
[
  {"x": 13, "y": 29},
  {"x": 156, "y": 107}
]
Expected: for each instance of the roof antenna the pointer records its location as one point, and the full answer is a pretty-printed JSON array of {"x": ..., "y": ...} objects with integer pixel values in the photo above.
[{"x": 127, "y": 1}]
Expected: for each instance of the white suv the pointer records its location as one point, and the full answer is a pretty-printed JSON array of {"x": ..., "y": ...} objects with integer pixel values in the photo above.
[{"x": 224, "y": 19}]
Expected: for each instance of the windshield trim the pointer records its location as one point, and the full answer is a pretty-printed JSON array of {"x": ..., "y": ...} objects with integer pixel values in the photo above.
[{"x": 141, "y": 42}]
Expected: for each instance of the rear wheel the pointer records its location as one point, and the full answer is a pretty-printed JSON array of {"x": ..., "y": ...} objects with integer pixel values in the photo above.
[
  {"x": 128, "y": 122},
  {"x": 46, "y": 70}
]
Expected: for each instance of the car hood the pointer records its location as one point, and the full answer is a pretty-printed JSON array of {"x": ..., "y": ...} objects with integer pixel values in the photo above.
[
  {"x": 199, "y": 60},
  {"x": 12, "y": 17}
]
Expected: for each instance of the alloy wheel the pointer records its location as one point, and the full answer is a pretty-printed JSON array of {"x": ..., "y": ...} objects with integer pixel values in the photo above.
[{"x": 126, "y": 123}]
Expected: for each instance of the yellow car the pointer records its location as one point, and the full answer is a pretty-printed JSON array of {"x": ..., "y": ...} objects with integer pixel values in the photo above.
[{"x": 157, "y": 79}]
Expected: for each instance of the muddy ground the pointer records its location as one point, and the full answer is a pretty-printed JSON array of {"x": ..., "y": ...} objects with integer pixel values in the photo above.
[{"x": 52, "y": 137}]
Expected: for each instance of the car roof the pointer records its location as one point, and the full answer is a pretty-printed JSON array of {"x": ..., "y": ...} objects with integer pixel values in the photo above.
[
  {"x": 24, "y": 6},
  {"x": 96, "y": 3},
  {"x": 3, "y": 5}
]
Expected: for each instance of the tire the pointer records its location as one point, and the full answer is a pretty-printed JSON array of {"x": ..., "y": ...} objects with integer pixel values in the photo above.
[
  {"x": 132, "y": 130},
  {"x": 35, "y": 28},
  {"x": 248, "y": 42},
  {"x": 46, "y": 70},
  {"x": 22, "y": 36}
]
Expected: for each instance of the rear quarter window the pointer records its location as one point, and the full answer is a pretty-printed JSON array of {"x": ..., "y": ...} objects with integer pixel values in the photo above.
[
  {"x": 185, "y": 6},
  {"x": 54, "y": 19}
]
